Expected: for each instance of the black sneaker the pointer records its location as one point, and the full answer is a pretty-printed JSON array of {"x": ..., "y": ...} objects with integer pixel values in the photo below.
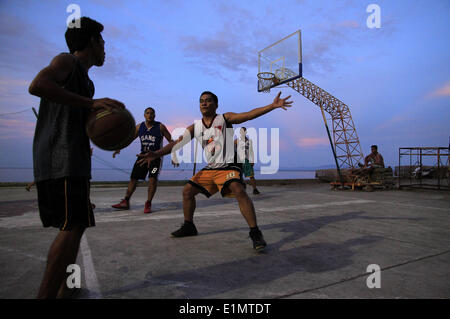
[
  {"x": 256, "y": 191},
  {"x": 187, "y": 229},
  {"x": 258, "y": 240}
]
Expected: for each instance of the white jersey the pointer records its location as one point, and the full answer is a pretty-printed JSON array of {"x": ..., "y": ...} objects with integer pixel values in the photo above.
[
  {"x": 245, "y": 150},
  {"x": 216, "y": 141}
]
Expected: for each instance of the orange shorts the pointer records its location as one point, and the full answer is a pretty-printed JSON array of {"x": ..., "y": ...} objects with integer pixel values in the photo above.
[{"x": 211, "y": 181}]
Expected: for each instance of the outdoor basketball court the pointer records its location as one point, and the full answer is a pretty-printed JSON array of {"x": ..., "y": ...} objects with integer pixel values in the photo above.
[{"x": 320, "y": 243}]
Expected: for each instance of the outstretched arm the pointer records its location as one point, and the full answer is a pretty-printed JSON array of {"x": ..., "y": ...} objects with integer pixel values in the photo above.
[
  {"x": 172, "y": 146},
  {"x": 165, "y": 132},
  {"x": 237, "y": 118}
]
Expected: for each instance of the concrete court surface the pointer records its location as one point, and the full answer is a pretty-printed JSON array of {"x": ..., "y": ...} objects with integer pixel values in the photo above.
[{"x": 320, "y": 243}]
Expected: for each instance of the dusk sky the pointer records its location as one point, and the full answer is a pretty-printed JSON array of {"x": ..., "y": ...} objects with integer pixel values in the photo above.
[{"x": 395, "y": 79}]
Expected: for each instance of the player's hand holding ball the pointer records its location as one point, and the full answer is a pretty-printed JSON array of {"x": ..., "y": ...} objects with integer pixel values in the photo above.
[
  {"x": 107, "y": 104},
  {"x": 110, "y": 125}
]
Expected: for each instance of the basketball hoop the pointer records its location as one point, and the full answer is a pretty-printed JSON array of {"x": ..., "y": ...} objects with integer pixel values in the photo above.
[{"x": 266, "y": 81}]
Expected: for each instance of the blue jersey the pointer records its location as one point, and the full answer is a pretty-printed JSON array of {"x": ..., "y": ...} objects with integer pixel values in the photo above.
[{"x": 151, "y": 139}]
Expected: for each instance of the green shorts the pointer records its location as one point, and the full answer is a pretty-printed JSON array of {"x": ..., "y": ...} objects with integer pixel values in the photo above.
[{"x": 247, "y": 169}]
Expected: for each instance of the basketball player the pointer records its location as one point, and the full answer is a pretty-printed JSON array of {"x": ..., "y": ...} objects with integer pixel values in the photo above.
[
  {"x": 244, "y": 150},
  {"x": 151, "y": 135},
  {"x": 61, "y": 151},
  {"x": 221, "y": 174}
]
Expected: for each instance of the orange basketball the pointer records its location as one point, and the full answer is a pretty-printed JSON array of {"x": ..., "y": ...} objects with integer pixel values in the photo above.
[{"x": 111, "y": 130}]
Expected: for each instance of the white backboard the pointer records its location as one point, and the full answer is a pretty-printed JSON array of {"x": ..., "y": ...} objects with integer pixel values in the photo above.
[{"x": 283, "y": 59}]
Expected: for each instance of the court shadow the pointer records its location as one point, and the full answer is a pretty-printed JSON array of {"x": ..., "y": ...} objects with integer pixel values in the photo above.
[
  {"x": 260, "y": 269},
  {"x": 202, "y": 202}
]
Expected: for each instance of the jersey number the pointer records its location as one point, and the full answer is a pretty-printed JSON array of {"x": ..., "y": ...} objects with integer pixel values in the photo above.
[{"x": 231, "y": 175}]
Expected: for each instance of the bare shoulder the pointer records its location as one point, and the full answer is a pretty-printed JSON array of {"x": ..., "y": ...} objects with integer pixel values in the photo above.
[
  {"x": 57, "y": 71},
  {"x": 59, "y": 68},
  {"x": 63, "y": 61}
]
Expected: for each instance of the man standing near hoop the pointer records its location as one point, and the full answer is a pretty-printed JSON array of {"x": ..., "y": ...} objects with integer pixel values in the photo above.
[{"x": 151, "y": 135}]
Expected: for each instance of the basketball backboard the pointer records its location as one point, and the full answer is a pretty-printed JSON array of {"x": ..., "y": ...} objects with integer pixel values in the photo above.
[{"x": 280, "y": 62}]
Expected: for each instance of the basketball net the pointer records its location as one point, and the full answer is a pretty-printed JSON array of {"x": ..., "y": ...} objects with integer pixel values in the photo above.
[{"x": 266, "y": 81}]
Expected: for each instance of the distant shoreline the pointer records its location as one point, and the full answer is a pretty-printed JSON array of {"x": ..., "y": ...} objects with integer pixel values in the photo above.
[
  {"x": 107, "y": 184},
  {"x": 16, "y": 175}
]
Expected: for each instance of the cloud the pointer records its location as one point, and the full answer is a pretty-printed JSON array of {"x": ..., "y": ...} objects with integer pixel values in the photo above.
[
  {"x": 11, "y": 86},
  {"x": 393, "y": 122},
  {"x": 16, "y": 129},
  {"x": 223, "y": 49},
  {"x": 178, "y": 123},
  {"x": 443, "y": 91},
  {"x": 230, "y": 44},
  {"x": 327, "y": 40},
  {"x": 312, "y": 141},
  {"x": 108, "y": 4},
  {"x": 349, "y": 24},
  {"x": 14, "y": 94},
  {"x": 117, "y": 66},
  {"x": 29, "y": 51}
]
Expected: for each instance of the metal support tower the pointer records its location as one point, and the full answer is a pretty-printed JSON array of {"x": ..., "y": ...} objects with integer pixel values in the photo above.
[{"x": 346, "y": 143}]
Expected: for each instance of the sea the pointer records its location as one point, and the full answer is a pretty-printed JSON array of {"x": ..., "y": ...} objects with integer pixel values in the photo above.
[{"x": 170, "y": 174}]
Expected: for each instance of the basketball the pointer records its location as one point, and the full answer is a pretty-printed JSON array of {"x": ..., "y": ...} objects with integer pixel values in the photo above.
[{"x": 111, "y": 130}]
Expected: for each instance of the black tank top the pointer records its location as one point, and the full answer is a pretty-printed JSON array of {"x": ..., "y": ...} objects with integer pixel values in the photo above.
[{"x": 61, "y": 146}]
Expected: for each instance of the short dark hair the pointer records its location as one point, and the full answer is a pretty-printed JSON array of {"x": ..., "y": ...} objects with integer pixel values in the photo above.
[
  {"x": 376, "y": 147},
  {"x": 149, "y": 108},
  {"x": 243, "y": 128},
  {"x": 77, "y": 39},
  {"x": 216, "y": 100}
]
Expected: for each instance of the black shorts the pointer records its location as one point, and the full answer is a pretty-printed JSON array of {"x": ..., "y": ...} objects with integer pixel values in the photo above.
[
  {"x": 140, "y": 172},
  {"x": 64, "y": 203}
]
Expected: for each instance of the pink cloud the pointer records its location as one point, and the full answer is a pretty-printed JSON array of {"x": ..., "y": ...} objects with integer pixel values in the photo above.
[
  {"x": 312, "y": 141},
  {"x": 16, "y": 129},
  {"x": 443, "y": 91},
  {"x": 178, "y": 123},
  {"x": 349, "y": 24},
  {"x": 393, "y": 122}
]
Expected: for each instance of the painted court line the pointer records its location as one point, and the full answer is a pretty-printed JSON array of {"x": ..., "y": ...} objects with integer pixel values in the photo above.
[
  {"x": 312, "y": 206},
  {"x": 89, "y": 270},
  {"x": 112, "y": 218}
]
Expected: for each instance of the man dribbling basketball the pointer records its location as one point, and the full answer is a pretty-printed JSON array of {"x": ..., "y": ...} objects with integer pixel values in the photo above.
[
  {"x": 150, "y": 133},
  {"x": 61, "y": 150},
  {"x": 220, "y": 174}
]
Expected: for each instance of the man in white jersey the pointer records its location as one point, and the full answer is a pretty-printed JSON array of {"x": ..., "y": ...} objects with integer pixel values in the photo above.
[{"x": 221, "y": 173}]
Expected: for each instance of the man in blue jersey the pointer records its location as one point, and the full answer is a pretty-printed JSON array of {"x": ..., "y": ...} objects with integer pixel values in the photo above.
[{"x": 150, "y": 133}]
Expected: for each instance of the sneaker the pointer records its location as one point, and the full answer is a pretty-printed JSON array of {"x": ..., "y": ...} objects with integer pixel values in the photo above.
[
  {"x": 148, "y": 207},
  {"x": 256, "y": 191},
  {"x": 258, "y": 240},
  {"x": 187, "y": 229},
  {"x": 124, "y": 204}
]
